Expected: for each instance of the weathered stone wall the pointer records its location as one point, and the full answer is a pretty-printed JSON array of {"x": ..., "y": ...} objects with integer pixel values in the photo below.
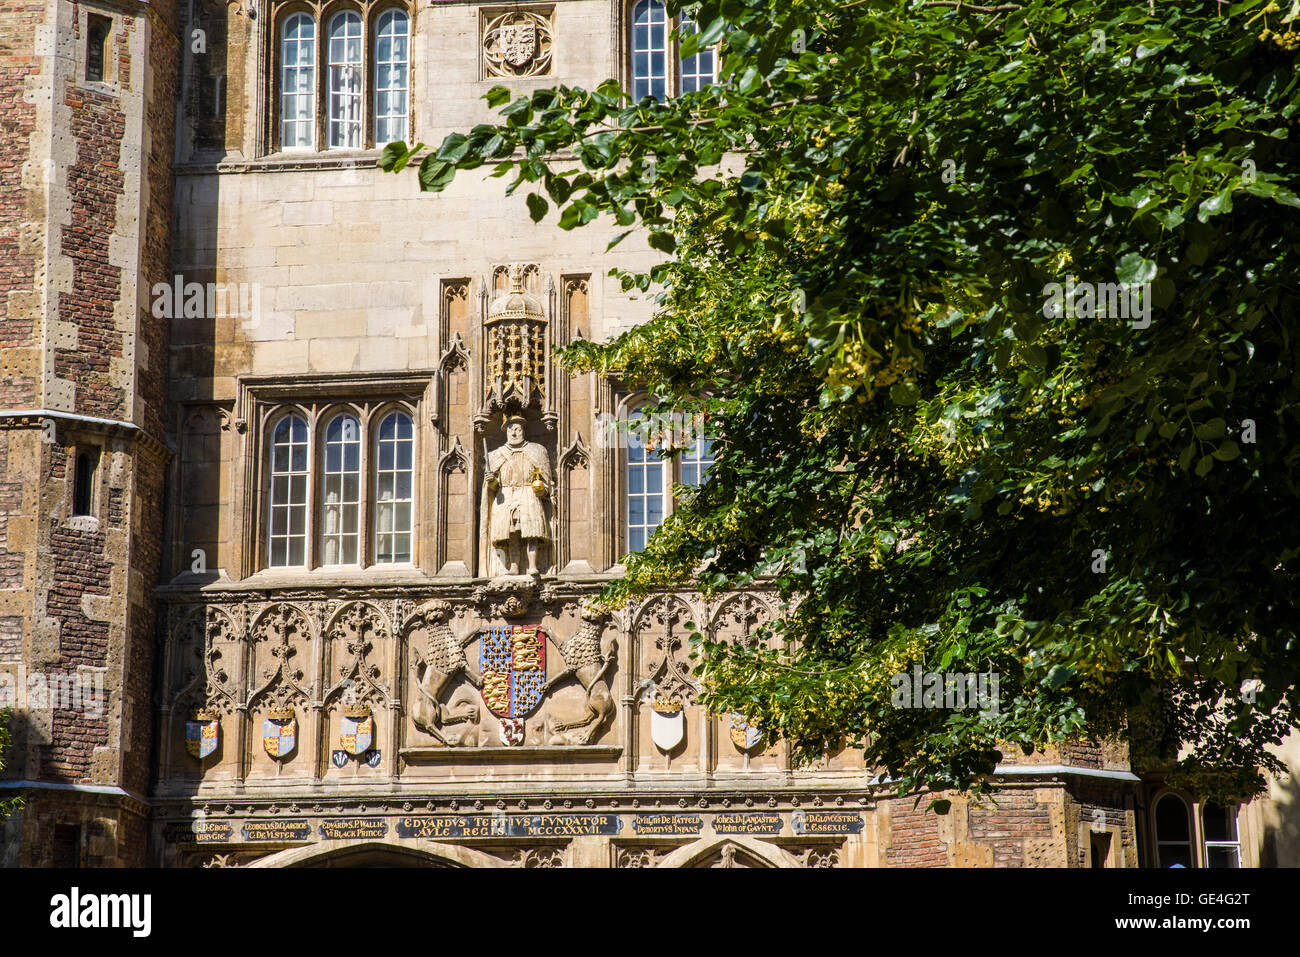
[{"x": 86, "y": 229}]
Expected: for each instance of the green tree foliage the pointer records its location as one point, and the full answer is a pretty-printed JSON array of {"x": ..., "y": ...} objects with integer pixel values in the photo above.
[
  {"x": 6, "y": 807},
  {"x": 930, "y": 461}
]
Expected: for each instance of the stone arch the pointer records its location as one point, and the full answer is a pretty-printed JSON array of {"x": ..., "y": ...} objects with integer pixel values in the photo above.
[
  {"x": 384, "y": 853},
  {"x": 746, "y": 851}
]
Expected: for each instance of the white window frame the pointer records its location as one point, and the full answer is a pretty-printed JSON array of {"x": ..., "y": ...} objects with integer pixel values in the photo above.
[
  {"x": 288, "y": 507},
  {"x": 1232, "y": 811},
  {"x": 329, "y": 477},
  {"x": 345, "y": 82},
  {"x": 661, "y": 27},
  {"x": 400, "y": 122},
  {"x": 283, "y": 71},
  {"x": 377, "y": 504},
  {"x": 671, "y": 472}
]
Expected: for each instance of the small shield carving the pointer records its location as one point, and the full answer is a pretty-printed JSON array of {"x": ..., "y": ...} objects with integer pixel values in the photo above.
[
  {"x": 356, "y": 734},
  {"x": 202, "y": 734},
  {"x": 744, "y": 735},
  {"x": 280, "y": 736},
  {"x": 519, "y": 42},
  {"x": 667, "y": 725}
]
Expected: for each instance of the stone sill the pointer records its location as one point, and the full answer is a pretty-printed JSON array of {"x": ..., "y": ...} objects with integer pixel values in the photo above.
[
  {"x": 374, "y": 577},
  {"x": 298, "y": 161}
]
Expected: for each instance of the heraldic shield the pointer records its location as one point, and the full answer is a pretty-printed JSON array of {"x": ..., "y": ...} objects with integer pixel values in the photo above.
[
  {"x": 743, "y": 734},
  {"x": 667, "y": 724},
  {"x": 356, "y": 732},
  {"x": 512, "y": 659},
  {"x": 202, "y": 734},
  {"x": 519, "y": 41},
  {"x": 280, "y": 734}
]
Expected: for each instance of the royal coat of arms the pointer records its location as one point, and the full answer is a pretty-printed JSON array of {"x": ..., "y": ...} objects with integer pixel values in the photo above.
[
  {"x": 203, "y": 733},
  {"x": 512, "y": 661},
  {"x": 280, "y": 733},
  {"x": 744, "y": 735},
  {"x": 519, "y": 42},
  {"x": 356, "y": 730}
]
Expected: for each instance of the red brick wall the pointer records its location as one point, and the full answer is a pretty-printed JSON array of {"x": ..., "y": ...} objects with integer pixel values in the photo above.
[
  {"x": 914, "y": 836},
  {"x": 1016, "y": 818},
  {"x": 95, "y": 183},
  {"x": 80, "y": 567}
]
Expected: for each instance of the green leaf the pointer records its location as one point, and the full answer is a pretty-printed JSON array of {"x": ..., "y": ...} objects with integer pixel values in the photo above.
[
  {"x": 453, "y": 148},
  {"x": 1227, "y": 451},
  {"x": 1218, "y": 203},
  {"x": 1213, "y": 429},
  {"x": 663, "y": 241},
  {"x": 537, "y": 207},
  {"x": 435, "y": 174},
  {"x": 1133, "y": 269}
]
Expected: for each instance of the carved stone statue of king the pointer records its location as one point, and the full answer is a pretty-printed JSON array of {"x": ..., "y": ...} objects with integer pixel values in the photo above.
[{"x": 518, "y": 482}]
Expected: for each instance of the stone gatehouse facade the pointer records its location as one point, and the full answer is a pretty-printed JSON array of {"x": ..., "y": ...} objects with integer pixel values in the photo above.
[{"x": 303, "y": 515}]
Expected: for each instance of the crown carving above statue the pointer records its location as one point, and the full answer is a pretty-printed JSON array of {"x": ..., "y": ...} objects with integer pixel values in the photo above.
[
  {"x": 517, "y": 353},
  {"x": 516, "y": 302}
]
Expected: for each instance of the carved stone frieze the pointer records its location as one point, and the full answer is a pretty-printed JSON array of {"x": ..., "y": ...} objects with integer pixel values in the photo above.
[{"x": 539, "y": 857}]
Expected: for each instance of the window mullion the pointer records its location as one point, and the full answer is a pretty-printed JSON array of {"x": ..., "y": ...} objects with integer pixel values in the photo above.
[
  {"x": 364, "y": 493},
  {"x": 322, "y": 86},
  {"x": 314, "y": 476}
]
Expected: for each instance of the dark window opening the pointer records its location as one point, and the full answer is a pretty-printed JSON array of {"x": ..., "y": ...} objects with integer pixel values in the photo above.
[
  {"x": 1100, "y": 849},
  {"x": 83, "y": 495},
  {"x": 97, "y": 31},
  {"x": 67, "y": 845}
]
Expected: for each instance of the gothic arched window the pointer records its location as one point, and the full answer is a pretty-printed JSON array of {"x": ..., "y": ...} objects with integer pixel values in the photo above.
[
  {"x": 298, "y": 82},
  {"x": 392, "y": 76},
  {"x": 352, "y": 89},
  {"x": 649, "y": 50},
  {"x": 700, "y": 70},
  {"x": 345, "y": 80},
  {"x": 394, "y": 488},
  {"x": 1173, "y": 832},
  {"x": 288, "y": 502},
  {"x": 341, "y": 492}
]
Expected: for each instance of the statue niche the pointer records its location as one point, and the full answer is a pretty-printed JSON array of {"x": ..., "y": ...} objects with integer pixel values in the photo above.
[
  {"x": 516, "y": 488},
  {"x": 516, "y": 532}
]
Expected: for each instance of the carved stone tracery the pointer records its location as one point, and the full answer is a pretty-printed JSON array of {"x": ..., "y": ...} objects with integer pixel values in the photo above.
[
  {"x": 669, "y": 673},
  {"x": 282, "y": 626},
  {"x": 517, "y": 44}
]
